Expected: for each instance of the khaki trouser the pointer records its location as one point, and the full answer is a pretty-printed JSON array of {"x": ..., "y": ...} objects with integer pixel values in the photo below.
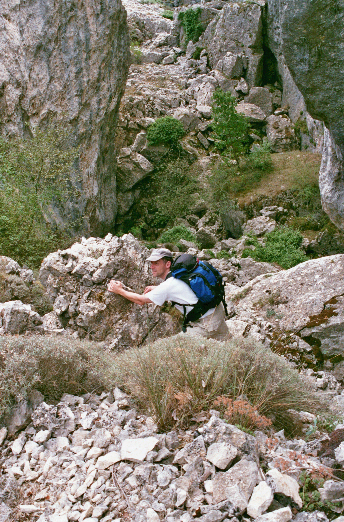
[{"x": 212, "y": 327}]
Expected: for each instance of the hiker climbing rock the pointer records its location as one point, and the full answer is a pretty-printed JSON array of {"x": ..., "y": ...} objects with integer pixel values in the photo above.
[{"x": 194, "y": 287}]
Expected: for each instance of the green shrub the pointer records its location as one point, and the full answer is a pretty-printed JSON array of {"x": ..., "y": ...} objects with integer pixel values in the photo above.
[
  {"x": 52, "y": 365},
  {"x": 174, "y": 234},
  {"x": 230, "y": 128},
  {"x": 260, "y": 156},
  {"x": 166, "y": 131},
  {"x": 175, "y": 378},
  {"x": 189, "y": 20},
  {"x": 34, "y": 178},
  {"x": 170, "y": 192},
  {"x": 168, "y": 14},
  {"x": 282, "y": 246},
  {"x": 310, "y": 495},
  {"x": 197, "y": 53}
]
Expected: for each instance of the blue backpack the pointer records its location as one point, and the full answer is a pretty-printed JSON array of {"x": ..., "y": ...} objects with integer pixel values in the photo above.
[{"x": 204, "y": 280}]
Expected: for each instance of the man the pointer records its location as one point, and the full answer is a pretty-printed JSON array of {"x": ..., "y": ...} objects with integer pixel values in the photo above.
[{"x": 211, "y": 325}]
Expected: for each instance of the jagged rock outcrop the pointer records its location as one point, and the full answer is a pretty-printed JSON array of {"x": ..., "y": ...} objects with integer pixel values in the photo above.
[
  {"x": 68, "y": 61},
  {"x": 306, "y": 33},
  {"x": 76, "y": 281}
]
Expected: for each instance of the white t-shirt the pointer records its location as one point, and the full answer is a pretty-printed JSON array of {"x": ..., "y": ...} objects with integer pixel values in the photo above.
[{"x": 177, "y": 291}]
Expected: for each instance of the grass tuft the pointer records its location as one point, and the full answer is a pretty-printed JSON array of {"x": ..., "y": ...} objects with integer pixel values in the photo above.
[{"x": 179, "y": 376}]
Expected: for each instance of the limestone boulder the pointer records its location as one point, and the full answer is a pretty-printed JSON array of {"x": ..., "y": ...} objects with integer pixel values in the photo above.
[
  {"x": 259, "y": 226},
  {"x": 252, "y": 112},
  {"x": 281, "y": 134},
  {"x": 17, "y": 318},
  {"x": 236, "y": 484},
  {"x": 78, "y": 76},
  {"x": 306, "y": 300},
  {"x": 262, "y": 97},
  {"x": 76, "y": 280}
]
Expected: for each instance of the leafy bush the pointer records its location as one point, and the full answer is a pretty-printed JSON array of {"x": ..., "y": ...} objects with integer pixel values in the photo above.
[
  {"x": 34, "y": 176},
  {"x": 310, "y": 495},
  {"x": 230, "y": 128},
  {"x": 179, "y": 376},
  {"x": 189, "y": 20},
  {"x": 52, "y": 365},
  {"x": 166, "y": 131},
  {"x": 174, "y": 191},
  {"x": 282, "y": 246},
  {"x": 174, "y": 234}
]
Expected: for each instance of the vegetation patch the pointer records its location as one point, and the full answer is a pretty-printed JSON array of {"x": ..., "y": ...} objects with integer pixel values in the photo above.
[
  {"x": 34, "y": 178},
  {"x": 282, "y": 246},
  {"x": 165, "y": 131},
  {"x": 52, "y": 365},
  {"x": 189, "y": 20},
  {"x": 168, "y": 14},
  {"x": 175, "y": 234},
  {"x": 230, "y": 128},
  {"x": 177, "y": 377}
]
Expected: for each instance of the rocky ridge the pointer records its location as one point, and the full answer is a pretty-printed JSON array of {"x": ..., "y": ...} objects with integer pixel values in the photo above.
[{"x": 94, "y": 458}]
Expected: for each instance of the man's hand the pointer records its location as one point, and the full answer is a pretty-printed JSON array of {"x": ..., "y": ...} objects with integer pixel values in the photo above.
[
  {"x": 115, "y": 286},
  {"x": 148, "y": 289}
]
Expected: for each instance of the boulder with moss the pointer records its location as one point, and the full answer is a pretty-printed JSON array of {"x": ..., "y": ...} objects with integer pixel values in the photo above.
[{"x": 302, "y": 304}]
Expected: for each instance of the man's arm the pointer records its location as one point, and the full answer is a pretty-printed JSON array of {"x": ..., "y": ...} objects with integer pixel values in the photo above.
[{"x": 116, "y": 288}]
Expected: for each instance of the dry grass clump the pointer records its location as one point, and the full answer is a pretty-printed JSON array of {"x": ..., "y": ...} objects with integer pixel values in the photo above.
[
  {"x": 52, "y": 365},
  {"x": 179, "y": 376}
]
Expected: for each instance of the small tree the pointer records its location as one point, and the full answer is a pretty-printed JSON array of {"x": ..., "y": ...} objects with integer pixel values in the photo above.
[{"x": 230, "y": 128}]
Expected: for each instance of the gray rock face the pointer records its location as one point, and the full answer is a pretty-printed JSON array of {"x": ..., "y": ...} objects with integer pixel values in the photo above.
[
  {"x": 306, "y": 300},
  {"x": 68, "y": 61},
  {"x": 306, "y": 33},
  {"x": 237, "y": 30}
]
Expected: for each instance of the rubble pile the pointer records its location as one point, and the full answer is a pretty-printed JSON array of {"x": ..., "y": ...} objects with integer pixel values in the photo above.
[{"x": 94, "y": 458}]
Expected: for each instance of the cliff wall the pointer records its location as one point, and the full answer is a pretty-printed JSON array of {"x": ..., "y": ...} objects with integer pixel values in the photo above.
[
  {"x": 68, "y": 61},
  {"x": 307, "y": 34}
]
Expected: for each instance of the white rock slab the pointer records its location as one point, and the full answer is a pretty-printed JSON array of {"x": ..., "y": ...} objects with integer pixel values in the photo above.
[
  {"x": 282, "y": 483},
  {"x": 236, "y": 484},
  {"x": 137, "y": 449},
  {"x": 339, "y": 453},
  {"x": 42, "y": 436},
  {"x": 152, "y": 516},
  {"x": 261, "y": 499},
  {"x": 221, "y": 454},
  {"x": 108, "y": 460},
  {"x": 280, "y": 515},
  {"x": 18, "y": 444},
  {"x": 3, "y": 435}
]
